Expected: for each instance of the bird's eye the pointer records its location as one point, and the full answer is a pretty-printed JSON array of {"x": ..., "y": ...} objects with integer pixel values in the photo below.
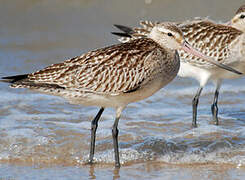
[
  {"x": 242, "y": 16},
  {"x": 170, "y": 34}
]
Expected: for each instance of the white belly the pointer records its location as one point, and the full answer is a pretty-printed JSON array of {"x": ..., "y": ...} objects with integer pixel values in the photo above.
[
  {"x": 188, "y": 70},
  {"x": 203, "y": 75}
]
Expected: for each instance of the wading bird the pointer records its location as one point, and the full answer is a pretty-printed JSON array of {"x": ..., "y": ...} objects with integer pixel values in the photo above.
[
  {"x": 222, "y": 42},
  {"x": 114, "y": 76}
]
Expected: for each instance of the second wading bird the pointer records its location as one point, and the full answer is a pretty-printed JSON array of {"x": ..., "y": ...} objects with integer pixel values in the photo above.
[
  {"x": 114, "y": 76},
  {"x": 226, "y": 44}
]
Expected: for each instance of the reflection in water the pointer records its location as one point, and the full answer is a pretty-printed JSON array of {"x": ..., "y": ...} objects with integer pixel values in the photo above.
[
  {"x": 91, "y": 172},
  {"x": 94, "y": 169},
  {"x": 116, "y": 173}
]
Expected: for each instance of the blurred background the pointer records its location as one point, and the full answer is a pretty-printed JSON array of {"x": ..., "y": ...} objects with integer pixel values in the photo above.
[
  {"x": 59, "y": 29},
  {"x": 44, "y": 137}
]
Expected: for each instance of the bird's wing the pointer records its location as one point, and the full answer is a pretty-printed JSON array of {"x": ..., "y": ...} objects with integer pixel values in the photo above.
[
  {"x": 112, "y": 70},
  {"x": 212, "y": 39},
  {"x": 129, "y": 33}
]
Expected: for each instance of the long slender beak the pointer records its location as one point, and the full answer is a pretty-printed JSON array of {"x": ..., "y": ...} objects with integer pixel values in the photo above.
[{"x": 189, "y": 49}]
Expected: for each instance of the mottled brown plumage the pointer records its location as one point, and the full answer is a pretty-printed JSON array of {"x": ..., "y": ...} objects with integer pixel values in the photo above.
[
  {"x": 111, "y": 70},
  {"x": 223, "y": 42},
  {"x": 211, "y": 39},
  {"x": 113, "y": 76},
  {"x": 208, "y": 37}
]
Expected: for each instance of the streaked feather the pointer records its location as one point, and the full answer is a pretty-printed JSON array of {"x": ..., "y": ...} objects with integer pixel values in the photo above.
[
  {"x": 111, "y": 70},
  {"x": 209, "y": 38}
]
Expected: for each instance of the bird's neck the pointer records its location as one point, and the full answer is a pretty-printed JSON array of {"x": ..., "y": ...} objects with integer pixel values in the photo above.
[{"x": 158, "y": 38}]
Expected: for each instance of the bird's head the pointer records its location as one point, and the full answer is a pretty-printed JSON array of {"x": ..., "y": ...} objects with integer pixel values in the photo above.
[
  {"x": 169, "y": 36},
  {"x": 238, "y": 21}
]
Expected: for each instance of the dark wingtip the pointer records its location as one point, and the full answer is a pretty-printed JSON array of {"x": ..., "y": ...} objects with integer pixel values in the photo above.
[
  {"x": 13, "y": 79},
  {"x": 121, "y": 34},
  {"x": 126, "y": 29}
]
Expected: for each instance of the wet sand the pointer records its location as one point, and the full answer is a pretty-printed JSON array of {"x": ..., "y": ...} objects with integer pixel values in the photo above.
[{"x": 147, "y": 170}]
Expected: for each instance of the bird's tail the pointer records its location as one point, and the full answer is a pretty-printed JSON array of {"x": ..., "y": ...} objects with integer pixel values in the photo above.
[
  {"x": 13, "y": 79},
  {"x": 22, "y": 81},
  {"x": 126, "y": 31}
]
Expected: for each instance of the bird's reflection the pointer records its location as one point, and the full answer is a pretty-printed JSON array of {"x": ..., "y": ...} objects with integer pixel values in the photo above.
[
  {"x": 116, "y": 173},
  {"x": 91, "y": 172}
]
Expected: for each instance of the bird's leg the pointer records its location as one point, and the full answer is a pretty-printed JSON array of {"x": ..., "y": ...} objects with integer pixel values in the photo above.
[
  {"x": 214, "y": 106},
  {"x": 115, "y": 137},
  {"x": 115, "y": 142},
  {"x": 94, "y": 125},
  {"x": 194, "y": 106}
]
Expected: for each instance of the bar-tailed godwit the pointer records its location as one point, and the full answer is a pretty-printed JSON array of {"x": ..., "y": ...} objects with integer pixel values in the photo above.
[
  {"x": 114, "y": 76},
  {"x": 224, "y": 43}
]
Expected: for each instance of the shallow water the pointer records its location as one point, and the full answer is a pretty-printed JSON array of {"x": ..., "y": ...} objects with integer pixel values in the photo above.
[{"x": 43, "y": 136}]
